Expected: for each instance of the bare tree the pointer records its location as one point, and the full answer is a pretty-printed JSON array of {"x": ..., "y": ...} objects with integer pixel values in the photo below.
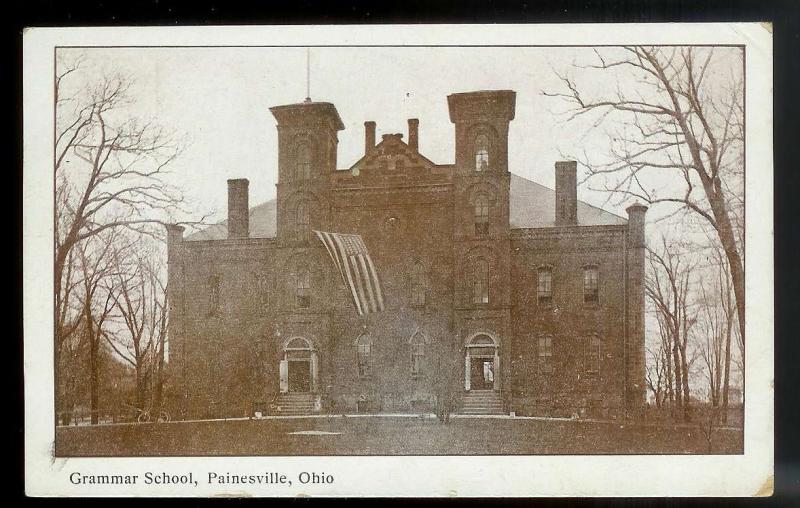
[
  {"x": 110, "y": 170},
  {"x": 681, "y": 120},
  {"x": 656, "y": 375},
  {"x": 719, "y": 324},
  {"x": 668, "y": 286},
  {"x": 140, "y": 303},
  {"x": 97, "y": 267}
]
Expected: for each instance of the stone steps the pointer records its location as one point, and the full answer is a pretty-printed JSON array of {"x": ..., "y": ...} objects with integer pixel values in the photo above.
[
  {"x": 293, "y": 404},
  {"x": 481, "y": 402}
]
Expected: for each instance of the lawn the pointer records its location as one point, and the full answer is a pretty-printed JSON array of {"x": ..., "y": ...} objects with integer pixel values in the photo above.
[{"x": 389, "y": 436}]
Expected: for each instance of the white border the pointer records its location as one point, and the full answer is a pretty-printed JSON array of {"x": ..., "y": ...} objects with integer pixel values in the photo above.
[{"x": 745, "y": 475}]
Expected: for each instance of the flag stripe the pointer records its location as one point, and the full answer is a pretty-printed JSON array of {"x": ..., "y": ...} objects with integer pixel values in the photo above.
[
  {"x": 328, "y": 243},
  {"x": 363, "y": 265},
  {"x": 376, "y": 282},
  {"x": 352, "y": 259},
  {"x": 342, "y": 255},
  {"x": 359, "y": 283}
]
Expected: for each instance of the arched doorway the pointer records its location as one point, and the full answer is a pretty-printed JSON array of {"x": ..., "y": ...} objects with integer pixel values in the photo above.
[
  {"x": 481, "y": 363},
  {"x": 298, "y": 367}
]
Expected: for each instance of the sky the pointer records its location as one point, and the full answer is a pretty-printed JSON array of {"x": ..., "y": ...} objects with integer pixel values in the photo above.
[{"x": 218, "y": 99}]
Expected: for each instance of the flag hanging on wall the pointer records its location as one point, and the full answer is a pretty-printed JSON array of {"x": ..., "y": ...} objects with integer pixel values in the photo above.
[{"x": 351, "y": 257}]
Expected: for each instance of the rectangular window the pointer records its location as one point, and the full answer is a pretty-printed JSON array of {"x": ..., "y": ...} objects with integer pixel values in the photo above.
[
  {"x": 480, "y": 282},
  {"x": 591, "y": 292},
  {"x": 417, "y": 356},
  {"x": 593, "y": 355},
  {"x": 303, "y": 289},
  {"x": 263, "y": 291},
  {"x": 364, "y": 354},
  {"x": 481, "y": 215},
  {"x": 418, "y": 295},
  {"x": 545, "y": 354},
  {"x": 214, "y": 294},
  {"x": 544, "y": 287}
]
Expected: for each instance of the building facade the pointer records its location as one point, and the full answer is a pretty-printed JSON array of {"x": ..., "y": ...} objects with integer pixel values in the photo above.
[{"x": 500, "y": 295}]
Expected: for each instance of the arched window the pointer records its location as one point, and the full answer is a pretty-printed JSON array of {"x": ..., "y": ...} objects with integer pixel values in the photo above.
[
  {"x": 303, "y": 161},
  {"x": 302, "y": 221},
  {"x": 417, "y": 354},
  {"x": 480, "y": 281},
  {"x": 364, "y": 356},
  {"x": 481, "y": 214},
  {"x": 303, "y": 288},
  {"x": 481, "y": 153},
  {"x": 417, "y": 285}
]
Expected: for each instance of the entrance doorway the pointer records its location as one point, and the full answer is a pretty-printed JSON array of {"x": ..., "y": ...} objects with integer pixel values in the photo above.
[
  {"x": 482, "y": 375},
  {"x": 298, "y": 368},
  {"x": 299, "y": 376},
  {"x": 481, "y": 364}
]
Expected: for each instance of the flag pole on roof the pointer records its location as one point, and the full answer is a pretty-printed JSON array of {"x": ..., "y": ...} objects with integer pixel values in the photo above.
[
  {"x": 352, "y": 259},
  {"x": 308, "y": 74}
]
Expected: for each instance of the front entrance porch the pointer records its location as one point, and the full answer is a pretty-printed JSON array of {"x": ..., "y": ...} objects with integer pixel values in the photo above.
[
  {"x": 299, "y": 378},
  {"x": 481, "y": 364}
]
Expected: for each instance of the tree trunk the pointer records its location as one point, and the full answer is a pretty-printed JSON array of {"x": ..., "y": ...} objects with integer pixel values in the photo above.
[
  {"x": 727, "y": 238},
  {"x": 676, "y": 359},
  {"x": 94, "y": 367},
  {"x": 670, "y": 391},
  {"x": 158, "y": 389},
  {"x": 685, "y": 382},
  {"x": 140, "y": 389},
  {"x": 726, "y": 378}
]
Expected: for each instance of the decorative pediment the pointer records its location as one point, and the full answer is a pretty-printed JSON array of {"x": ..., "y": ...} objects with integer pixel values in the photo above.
[{"x": 391, "y": 157}]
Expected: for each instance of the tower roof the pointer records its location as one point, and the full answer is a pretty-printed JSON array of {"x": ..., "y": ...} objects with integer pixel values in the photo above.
[{"x": 306, "y": 111}]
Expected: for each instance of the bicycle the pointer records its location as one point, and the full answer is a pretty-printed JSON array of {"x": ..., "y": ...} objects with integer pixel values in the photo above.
[{"x": 144, "y": 416}]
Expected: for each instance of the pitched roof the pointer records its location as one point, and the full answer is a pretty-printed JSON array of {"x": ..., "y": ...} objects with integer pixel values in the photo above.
[
  {"x": 263, "y": 224},
  {"x": 531, "y": 206}
]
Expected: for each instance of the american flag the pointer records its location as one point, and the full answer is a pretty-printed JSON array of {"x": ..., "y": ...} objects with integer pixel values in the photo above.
[{"x": 356, "y": 268}]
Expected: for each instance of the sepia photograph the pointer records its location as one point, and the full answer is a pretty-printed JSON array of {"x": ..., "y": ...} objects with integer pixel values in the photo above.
[{"x": 322, "y": 250}]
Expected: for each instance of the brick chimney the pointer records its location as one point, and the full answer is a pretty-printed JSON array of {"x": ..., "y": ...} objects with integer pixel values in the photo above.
[
  {"x": 369, "y": 136},
  {"x": 238, "y": 208},
  {"x": 413, "y": 134},
  {"x": 566, "y": 193},
  {"x": 635, "y": 354}
]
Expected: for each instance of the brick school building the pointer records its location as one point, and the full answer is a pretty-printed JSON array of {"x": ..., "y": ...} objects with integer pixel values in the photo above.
[{"x": 499, "y": 295}]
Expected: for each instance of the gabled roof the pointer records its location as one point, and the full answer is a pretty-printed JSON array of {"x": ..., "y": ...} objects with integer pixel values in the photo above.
[{"x": 532, "y": 206}]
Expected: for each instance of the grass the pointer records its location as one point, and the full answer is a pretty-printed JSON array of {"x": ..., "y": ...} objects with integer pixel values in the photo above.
[{"x": 389, "y": 436}]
